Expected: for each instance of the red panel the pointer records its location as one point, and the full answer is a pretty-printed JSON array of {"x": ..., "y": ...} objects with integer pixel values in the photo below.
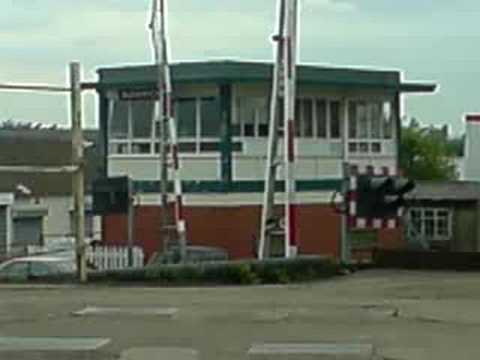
[
  {"x": 234, "y": 229},
  {"x": 293, "y": 224},
  {"x": 319, "y": 230},
  {"x": 391, "y": 239},
  {"x": 291, "y": 141}
]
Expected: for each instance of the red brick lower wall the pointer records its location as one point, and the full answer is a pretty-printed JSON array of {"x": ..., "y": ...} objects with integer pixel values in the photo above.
[{"x": 235, "y": 229}]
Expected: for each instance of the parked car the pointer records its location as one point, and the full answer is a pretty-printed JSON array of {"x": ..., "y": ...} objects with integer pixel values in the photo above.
[{"x": 36, "y": 268}]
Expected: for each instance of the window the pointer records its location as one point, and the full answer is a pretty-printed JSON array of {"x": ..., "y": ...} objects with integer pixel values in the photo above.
[
  {"x": 369, "y": 124},
  {"x": 131, "y": 125},
  {"x": 388, "y": 120},
  {"x": 304, "y": 118},
  {"x": 186, "y": 118},
  {"x": 210, "y": 118},
  {"x": 431, "y": 224},
  {"x": 335, "y": 121},
  {"x": 119, "y": 128},
  {"x": 142, "y": 118},
  {"x": 252, "y": 117},
  {"x": 314, "y": 118},
  {"x": 321, "y": 118},
  {"x": 38, "y": 269}
]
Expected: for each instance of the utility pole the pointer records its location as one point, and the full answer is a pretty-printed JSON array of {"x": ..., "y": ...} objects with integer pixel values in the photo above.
[
  {"x": 78, "y": 175},
  {"x": 272, "y": 153},
  {"x": 77, "y": 167},
  {"x": 283, "y": 87},
  {"x": 131, "y": 222}
]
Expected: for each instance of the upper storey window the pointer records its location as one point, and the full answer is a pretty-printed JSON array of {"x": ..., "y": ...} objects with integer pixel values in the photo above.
[
  {"x": 132, "y": 124},
  {"x": 314, "y": 118},
  {"x": 370, "y": 124}
]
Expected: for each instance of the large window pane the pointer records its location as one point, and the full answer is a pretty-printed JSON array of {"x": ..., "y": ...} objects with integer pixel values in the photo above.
[
  {"x": 388, "y": 120},
  {"x": 262, "y": 117},
  {"x": 307, "y": 130},
  {"x": 352, "y": 120},
  {"x": 429, "y": 228},
  {"x": 142, "y": 114},
  {"x": 119, "y": 120},
  {"x": 210, "y": 117},
  {"x": 335, "y": 127},
  {"x": 362, "y": 121},
  {"x": 246, "y": 113},
  {"x": 321, "y": 118},
  {"x": 253, "y": 115},
  {"x": 186, "y": 117},
  {"x": 298, "y": 117},
  {"x": 375, "y": 115}
]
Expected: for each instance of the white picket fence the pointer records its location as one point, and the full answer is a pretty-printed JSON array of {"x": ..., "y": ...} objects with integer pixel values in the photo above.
[{"x": 114, "y": 257}]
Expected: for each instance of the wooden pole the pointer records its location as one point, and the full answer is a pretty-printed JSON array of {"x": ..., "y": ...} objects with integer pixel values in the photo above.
[
  {"x": 131, "y": 222},
  {"x": 78, "y": 176}
]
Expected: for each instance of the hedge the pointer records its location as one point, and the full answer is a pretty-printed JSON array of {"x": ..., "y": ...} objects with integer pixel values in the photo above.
[
  {"x": 272, "y": 271},
  {"x": 426, "y": 260}
]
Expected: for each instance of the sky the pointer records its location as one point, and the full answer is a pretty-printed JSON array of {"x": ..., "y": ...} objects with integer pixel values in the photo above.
[{"x": 432, "y": 40}]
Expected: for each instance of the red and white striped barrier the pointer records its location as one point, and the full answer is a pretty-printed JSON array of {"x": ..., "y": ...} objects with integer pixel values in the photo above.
[
  {"x": 166, "y": 106},
  {"x": 289, "y": 76}
]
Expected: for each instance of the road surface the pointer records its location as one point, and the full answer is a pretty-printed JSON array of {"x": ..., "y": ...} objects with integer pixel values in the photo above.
[{"x": 404, "y": 315}]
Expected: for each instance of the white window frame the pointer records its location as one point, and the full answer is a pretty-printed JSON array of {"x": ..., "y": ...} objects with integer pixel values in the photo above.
[
  {"x": 370, "y": 141},
  {"x": 437, "y": 236},
  {"x": 152, "y": 141},
  {"x": 130, "y": 141},
  {"x": 256, "y": 124},
  {"x": 298, "y": 122}
]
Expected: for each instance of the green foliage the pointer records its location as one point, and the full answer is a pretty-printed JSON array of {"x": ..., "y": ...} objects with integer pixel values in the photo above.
[
  {"x": 278, "y": 271},
  {"x": 426, "y": 153}
]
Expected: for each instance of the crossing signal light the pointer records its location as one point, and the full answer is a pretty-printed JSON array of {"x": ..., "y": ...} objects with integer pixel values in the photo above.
[{"x": 381, "y": 196}]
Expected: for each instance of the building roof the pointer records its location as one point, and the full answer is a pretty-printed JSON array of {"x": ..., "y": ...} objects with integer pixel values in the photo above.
[
  {"x": 42, "y": 148},
  {"x": 446, "y": 191},
  {"x": 221, "y": 71}
]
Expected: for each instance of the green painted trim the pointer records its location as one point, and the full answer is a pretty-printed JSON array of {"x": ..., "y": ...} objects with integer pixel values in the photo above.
[
  {"x": 397, "y": 109},
  {"x": 226, "y": 133},
  {"x": 150, "y": 85},
  {"x": 239, "y": 187},
  {"x": 417, "y": 88},
  {"x": 244, "y": 71},
  {"x": 103, "y": 135}
]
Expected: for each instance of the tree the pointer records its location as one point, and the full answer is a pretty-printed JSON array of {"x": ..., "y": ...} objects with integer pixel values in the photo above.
[{"x": 426, "y": 154}]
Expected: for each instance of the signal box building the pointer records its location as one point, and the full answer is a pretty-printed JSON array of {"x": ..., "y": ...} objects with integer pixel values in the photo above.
[{"x": 222, "y": 110}]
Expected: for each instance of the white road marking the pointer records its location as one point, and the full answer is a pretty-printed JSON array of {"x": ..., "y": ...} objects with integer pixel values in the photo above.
[
  {"x": 51, "y": 343},
  {"x": 318, "y": 351},
  {"x": 128, "y": 311},
  {"x": 159, "y": 353}
]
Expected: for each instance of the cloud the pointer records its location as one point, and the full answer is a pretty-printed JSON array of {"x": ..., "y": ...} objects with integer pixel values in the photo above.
[{"x": 429, "y": 39}]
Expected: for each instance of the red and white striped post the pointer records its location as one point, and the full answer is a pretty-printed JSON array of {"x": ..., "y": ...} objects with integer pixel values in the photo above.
[
  {"x": 289, "y": 75},
  {"x": 167, "y": 114}
]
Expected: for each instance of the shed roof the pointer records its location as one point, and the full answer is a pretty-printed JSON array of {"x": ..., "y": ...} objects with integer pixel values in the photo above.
[
  {"x": 219, "y": 71},
  {"x": 42, "y": 148},
  {"x": 446, "y": 191}
]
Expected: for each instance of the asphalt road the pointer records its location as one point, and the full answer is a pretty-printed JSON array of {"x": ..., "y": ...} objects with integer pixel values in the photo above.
[{"x": 405, "y": 315}]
